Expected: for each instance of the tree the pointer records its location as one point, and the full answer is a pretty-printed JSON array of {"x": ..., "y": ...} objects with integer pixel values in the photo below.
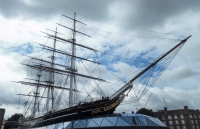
[
  {"x": 145, "y": 111},
  {"x": 13, "y": 118}
]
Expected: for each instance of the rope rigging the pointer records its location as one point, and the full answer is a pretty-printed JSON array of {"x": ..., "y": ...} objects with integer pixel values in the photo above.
[
  {"x": 141, "y": 84},
  {"x": 129, "y": 27}
]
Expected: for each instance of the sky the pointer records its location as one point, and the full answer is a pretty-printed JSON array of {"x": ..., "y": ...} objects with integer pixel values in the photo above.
[{"x": 125, "y": 32}]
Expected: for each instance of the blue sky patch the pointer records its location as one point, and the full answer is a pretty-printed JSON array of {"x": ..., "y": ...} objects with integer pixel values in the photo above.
[{"x": 23, "y": 49}]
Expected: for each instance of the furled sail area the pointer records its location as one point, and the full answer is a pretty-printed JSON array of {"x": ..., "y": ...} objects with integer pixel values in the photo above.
[{"x": 56, "y": 83}]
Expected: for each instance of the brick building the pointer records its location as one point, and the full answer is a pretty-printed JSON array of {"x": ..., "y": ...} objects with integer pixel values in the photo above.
[{"x": 179, "y": 118}]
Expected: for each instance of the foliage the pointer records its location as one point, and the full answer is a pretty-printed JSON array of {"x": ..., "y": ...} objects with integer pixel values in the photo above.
[
  {"x": 145, "y": 111},
  {"x": 13, "y": 118}
]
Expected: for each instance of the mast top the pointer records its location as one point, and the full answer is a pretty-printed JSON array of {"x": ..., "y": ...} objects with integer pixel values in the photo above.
[{"x": 74, "y": 19}]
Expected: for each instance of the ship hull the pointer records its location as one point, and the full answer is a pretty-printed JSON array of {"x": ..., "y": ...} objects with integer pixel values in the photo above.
[{"x": 92, "y": 109}]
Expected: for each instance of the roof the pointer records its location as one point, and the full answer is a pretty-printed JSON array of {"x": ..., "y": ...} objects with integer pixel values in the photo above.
[
  {"x": 176, "y": 111},
  {"x": 122, "y": 120}
]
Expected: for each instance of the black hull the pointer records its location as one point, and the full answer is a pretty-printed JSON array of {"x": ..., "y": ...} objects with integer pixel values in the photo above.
[{"x": 92, "y": 109}]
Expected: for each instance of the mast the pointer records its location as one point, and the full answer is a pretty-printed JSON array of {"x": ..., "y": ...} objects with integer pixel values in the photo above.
[
  {"x": 72, "y": 76},
  {"x": 73, "y": 57},
  {"x": 51, "y": 68},
  {"x": 50, "y": 90},
  {"x": 36, "y": 96}
]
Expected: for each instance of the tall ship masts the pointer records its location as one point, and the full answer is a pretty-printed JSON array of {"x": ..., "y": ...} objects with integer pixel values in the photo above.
[
  {"x": 72, "y": 76},
  {"x": 55, "y": 80}
]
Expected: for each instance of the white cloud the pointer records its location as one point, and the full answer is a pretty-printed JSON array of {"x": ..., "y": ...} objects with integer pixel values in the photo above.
[
  {"x": 178, "y": 74},
  {"x": 175, "y": 99},
  {"x": 11, "y": 109}
]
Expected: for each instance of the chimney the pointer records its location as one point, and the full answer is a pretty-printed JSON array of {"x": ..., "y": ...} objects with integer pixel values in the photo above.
[
  {"x": 186, "y": 107},
  {"x": 165, "y": 109}
]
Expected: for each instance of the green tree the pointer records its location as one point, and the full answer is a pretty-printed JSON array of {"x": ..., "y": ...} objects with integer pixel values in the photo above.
[
  {"x": 145, "y": 111},
  {"x": 13, "y": 118}
]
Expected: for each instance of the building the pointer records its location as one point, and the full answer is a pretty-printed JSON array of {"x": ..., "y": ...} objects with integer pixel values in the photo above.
[
  {"x": 120, "y": 121},
  {"x": 2, "y": 111},
  {"x": 180, "y": 118},
  {"x": 2, "y": 126}
]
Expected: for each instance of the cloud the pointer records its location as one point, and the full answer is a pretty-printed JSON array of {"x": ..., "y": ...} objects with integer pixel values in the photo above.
[
  {"x": 140, "y": 14},
  {"x": 179, "y": 73},
  {"x": 11, "y": 109},
  {"x": 151, "y": 14},
  {"x": 174, "y": 97},
  {"x": 45, "y": 9},
  {"x": 113, "y": 27},
  {"x": 10, "y": 70}
]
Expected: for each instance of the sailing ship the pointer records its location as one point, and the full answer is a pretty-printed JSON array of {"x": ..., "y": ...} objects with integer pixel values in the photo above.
[{"x": 51, "y": 78}]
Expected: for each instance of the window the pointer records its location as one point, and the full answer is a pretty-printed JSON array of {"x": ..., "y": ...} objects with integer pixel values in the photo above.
[
  {"x": 195, "y": 116},
  {"x": 182, "y": 116},
  {"x": 175, "y": 117},
  {"x": 190, "y": 115},
  {"x": 193, "y": 127},
  {"x": 197, "y": 127},
  {"x": 170, "y": 122},
  {"x": 169, "y": 117},
  {"x": 163, "y": 117},
  {"x": 196, "y": 121},
  {"x": 164, "y": 122},
  {"x": 184, "y": 127},
  {"x": 171, "y": 127},
  {"x": 183, "y": 121},
  {"x": 199, "y": 116},
  {"x": 176, "y": 122},
  {"x": 177, "y": 127},
  {"x": 192, "y": 122}
]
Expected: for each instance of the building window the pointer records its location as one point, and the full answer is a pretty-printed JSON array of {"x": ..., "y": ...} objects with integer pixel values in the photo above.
[
  {"x": 170, "y": 122},
  {"x": 196, "y": 121},
  {"x": 193, "y": 127},
  {"x": 175, "y": 117},
  {"x": 182, "y": 116},
  {"x": 192, "y": 122},
  {"x": 169, "y": 117},
  {"x": 183, "y": 121},
  {"x": 195, "y": 116},
  {"x": 163, "y": 117},
  {"x": 197, "y": 127},
  {"x": 171, "y": 127},
  {"x": 199, "y": 116},
  {"x": 164, "y": 122},
  {"x": 190, "y": 115},
  {"x": 177, "y": 127},
  {"x": 184, "y": 127},
  {"x": 176, "y": 122}
]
